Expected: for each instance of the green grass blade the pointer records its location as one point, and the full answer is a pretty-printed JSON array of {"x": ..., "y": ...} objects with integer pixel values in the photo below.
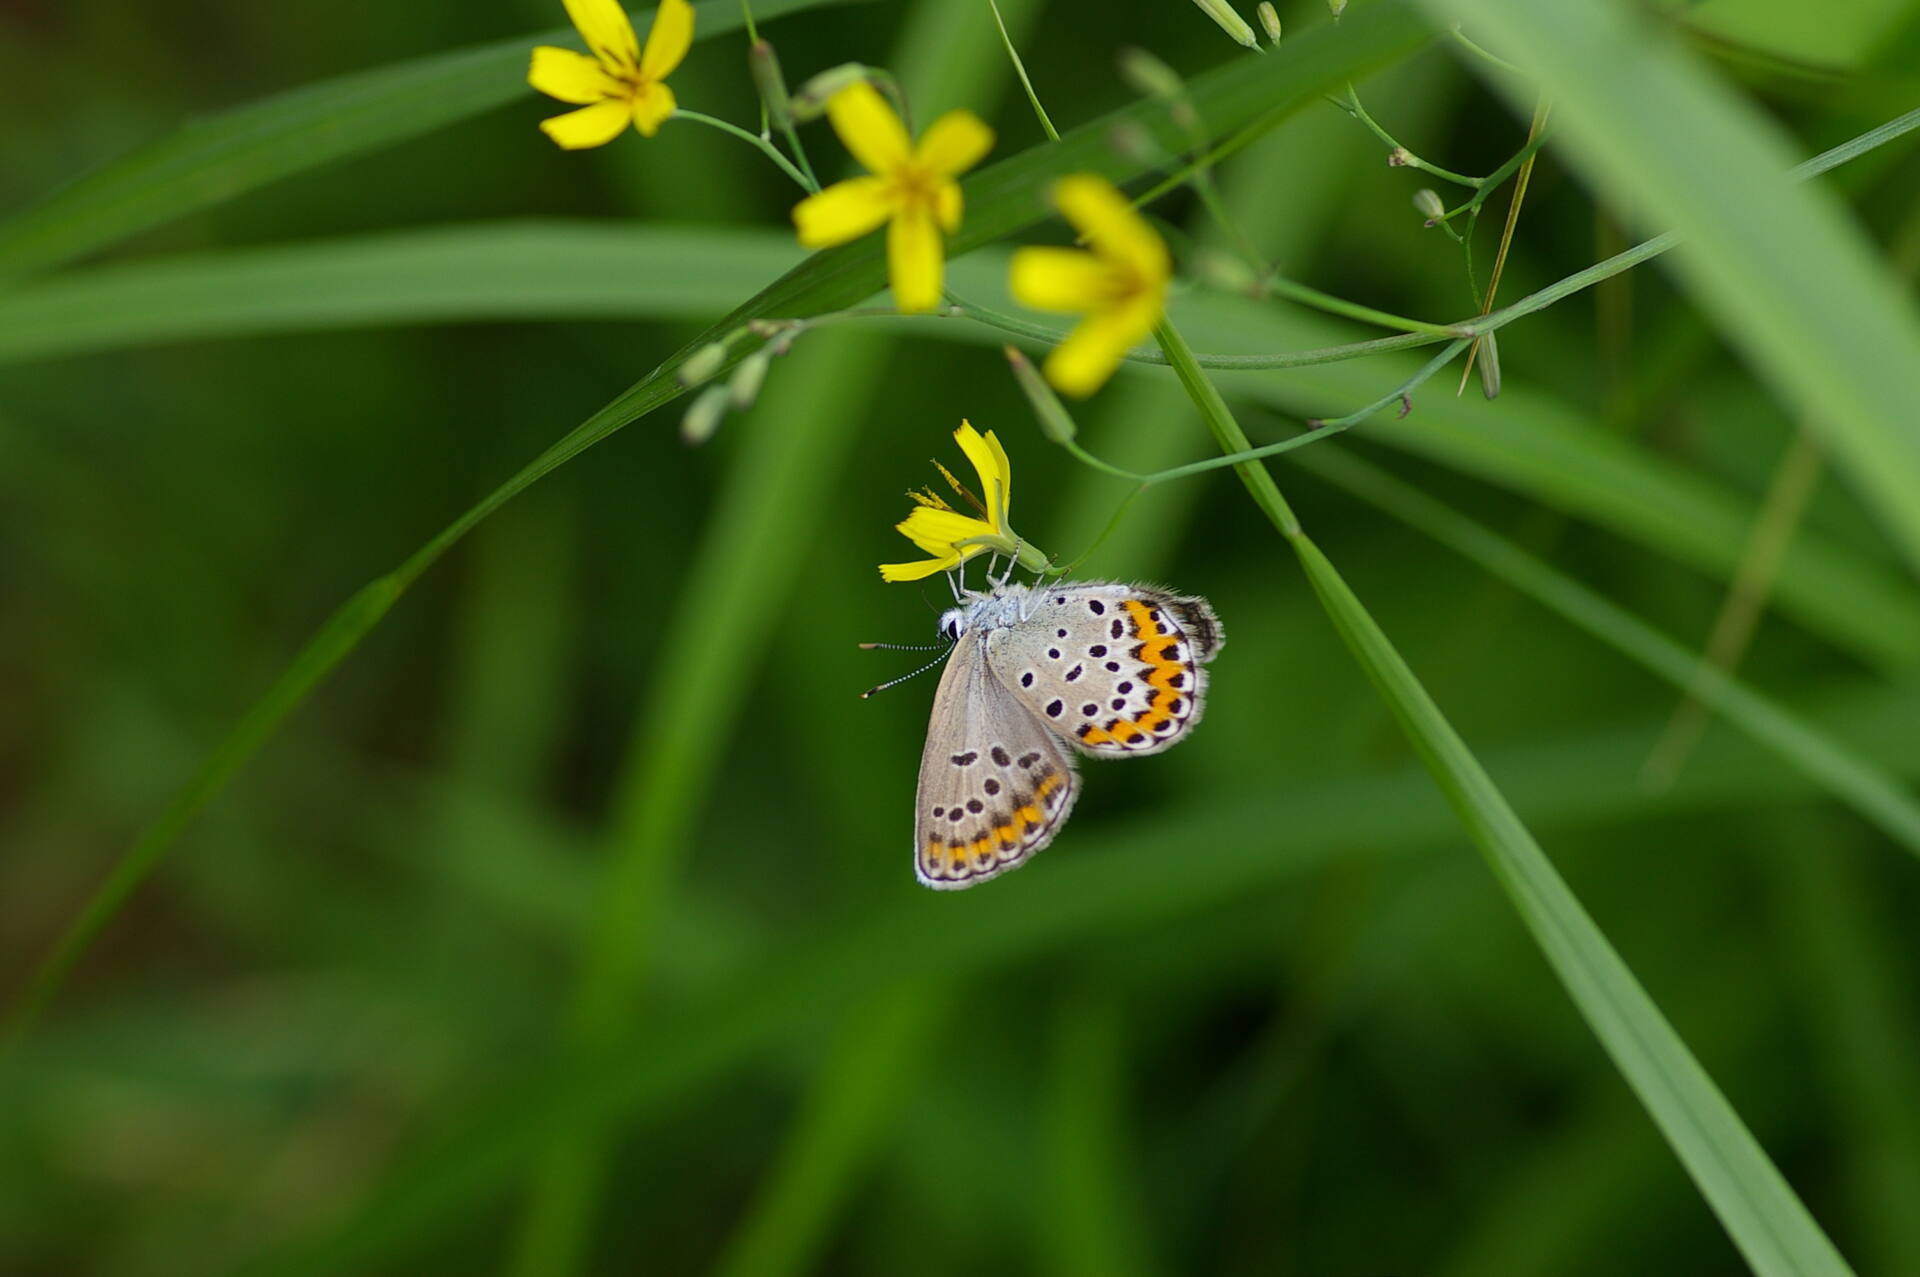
[
  {"x": 1788, "y": 277},
  {"x": 340, "y": 634},
  {"x": 879, "y": 1059},
  {"x": 1089, "y": 1226},
  {"x": 1755, "y": 1205},
  {"x": 1132, "y": 886},
  {"x": 1526, "y": 440},
  {"x": 1849, "y": 777},
  {"x": 487, "y": 271},
  {"x": 211, "y": 161},
  {"x": 741, "y": 579},
  {"x": 1002, "y": 199}
]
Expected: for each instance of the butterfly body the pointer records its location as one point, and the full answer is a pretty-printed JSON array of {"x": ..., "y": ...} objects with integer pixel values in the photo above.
[{"x": 1036, "y": 673}]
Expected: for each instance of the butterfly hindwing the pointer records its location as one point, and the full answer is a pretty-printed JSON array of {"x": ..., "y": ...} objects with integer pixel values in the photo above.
[{"x": 1115, "y": 669}]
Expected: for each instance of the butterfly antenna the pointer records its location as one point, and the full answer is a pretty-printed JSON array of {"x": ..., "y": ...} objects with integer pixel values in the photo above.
[
  {"x": 904, "y": 647},
  {"x": 895, "y": 682}
]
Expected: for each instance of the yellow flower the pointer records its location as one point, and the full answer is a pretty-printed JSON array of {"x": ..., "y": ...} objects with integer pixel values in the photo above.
[
  {"x": 953, "y": 538},
  {"x": 911, "y": 188},
  {"x": 620, "y": 83},
  {"x": 1120, "y": 286}
]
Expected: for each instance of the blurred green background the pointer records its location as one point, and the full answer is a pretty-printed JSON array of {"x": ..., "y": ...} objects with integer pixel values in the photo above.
[{"x": 1260, "y": 1009}]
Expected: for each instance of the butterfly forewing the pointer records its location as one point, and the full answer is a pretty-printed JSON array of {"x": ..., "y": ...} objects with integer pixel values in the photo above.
[
  {"x": 1116, "y": 669},
  {"x": 995, "y": 784}
]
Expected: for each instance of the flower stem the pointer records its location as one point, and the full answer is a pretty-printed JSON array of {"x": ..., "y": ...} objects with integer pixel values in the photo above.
[
  {"x": 1226, "y": 430},
  {"x": 1325, "y": 429},
  {"x": 1354, "y": 310},
  {"x": 1020, "y": 69},
  {"x": 754, "y": 140},
  {"x": 1351, "y": 105}
]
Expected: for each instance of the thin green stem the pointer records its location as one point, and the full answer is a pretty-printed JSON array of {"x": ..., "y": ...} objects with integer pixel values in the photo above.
[
  {"x": 1484, "y": 54},
  {"x": 792, "y": 134},
  {"x": 1020, "y": 69},
  {"x": 1226, "y": 430},
  {"x": 1473, "y": 325},
  {"x": 758, "y": 143},
  {"x": 1493, "y": 181},
  {"x": 1401, "y": 394},
  {"x": 1354, "y": 310},
  {"x": 1397, "y": 152},
  {"x": 1318, "y": 431}
]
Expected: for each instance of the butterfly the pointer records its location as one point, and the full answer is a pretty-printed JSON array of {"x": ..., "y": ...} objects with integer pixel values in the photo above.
[{"x": 1036, "y": 673}]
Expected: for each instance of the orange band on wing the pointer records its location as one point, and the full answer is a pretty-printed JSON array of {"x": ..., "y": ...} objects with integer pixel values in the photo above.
[
  {"x": 1156, "y": 646},
  {"x": 1030, "y": 816}
]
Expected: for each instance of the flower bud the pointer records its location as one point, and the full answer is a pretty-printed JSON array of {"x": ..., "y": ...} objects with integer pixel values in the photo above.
[
  {"x": 811, "y": 101},
  {"x": 1228, "y": 21},
  {"x": 1426, "y": 201},
  {"x": 744, "y": 386},
  {"x": 702, "y": 364},
  {"x": 1055, "y": 422},
  {"x": 1399, "y": 157},
  {"x": 1490, "y": 365},
  {"x": 704, "y": 417},
  {"x": 1336, "y": 8},
  {"x": 1269, "y": 21},
  {"x": 764, "y": 63},
  {"x": 1227, "y": 272},
  {"x": 1149, "y": 75},
  {"x": 1130, "y": 140}
]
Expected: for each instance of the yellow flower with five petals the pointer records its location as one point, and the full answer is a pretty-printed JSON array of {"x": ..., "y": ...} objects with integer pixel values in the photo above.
[
  {"x": 951, "y": 537},
  {"x": 621, "y": 83},
  {"x": 909, "y": 188},
  {"x": 1119, "y": 283}
]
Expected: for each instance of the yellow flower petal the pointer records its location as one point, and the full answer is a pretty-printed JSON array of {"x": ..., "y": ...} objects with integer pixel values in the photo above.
[
  {"x": 668, "y": 40},
  {"x": 571, "y": 77},
  {"x": 609, "y": 35},
  {"x": 868, "y": 128},
  {"x": 1006, "y": 481},
  {"x": 652, "y": 106},
  {"x": 1059, "y": 279},
  {"x": 846, "y": 210},
  {"x": 1111, "y": 228},
  {"x": 1082, "y": 363},
  {"x": 953, "y": 143},
  {"x": 948, "y": 204},
  {"x": 937, "y": 531},
  {"x": 917, "y": 571},
  {"x": 914, "y": 265},
  {"x": 594, "y": 125},
  {"x": 996, "y": 473}
]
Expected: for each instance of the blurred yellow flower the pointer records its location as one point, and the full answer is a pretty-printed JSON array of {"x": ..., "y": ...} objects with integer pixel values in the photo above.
[
  {"x": 621, "y": 83},
  {"x": 953, "y": 538},
  {"x": 1120, "y": 285},
  {"x": 912, "y": 189}
]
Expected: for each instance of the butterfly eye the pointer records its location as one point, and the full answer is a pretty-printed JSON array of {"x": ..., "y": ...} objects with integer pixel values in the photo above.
[{"x": 950, "y": 626}]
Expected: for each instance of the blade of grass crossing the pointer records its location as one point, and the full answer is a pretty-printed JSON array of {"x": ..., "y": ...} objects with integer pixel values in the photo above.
[
  {"x": 1089, "y": 1227},
  {"x": 1573, "y": 782},
  {"x": 946, "y": 54},
  {"x": 340, "y": 634},
  {"x": 1869, "y": 790},
  {"x": 1759, "y": 1211},
  {"x": 742, "y": 576},
  {"x": 1771, "y": 1227},
  {"x": 1857, "y": 1002},
  {"x": 1000, "y": 200},
  {"x": 1789, "y": 278},
  {"x": 880, "y": 1054},
  {"x": 211, "y": 161}
]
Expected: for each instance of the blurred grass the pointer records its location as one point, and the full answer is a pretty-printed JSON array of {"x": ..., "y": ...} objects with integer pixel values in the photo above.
[{"x": 323, "y": 1037}]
